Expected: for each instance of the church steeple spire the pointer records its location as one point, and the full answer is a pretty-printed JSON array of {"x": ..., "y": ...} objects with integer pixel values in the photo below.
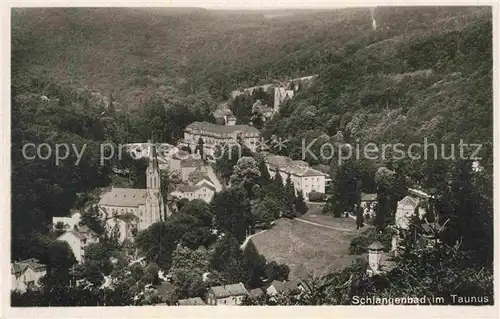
[{"x": 153, "y": 171}]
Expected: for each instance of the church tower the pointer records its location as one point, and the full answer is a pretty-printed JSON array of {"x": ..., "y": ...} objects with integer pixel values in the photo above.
[{"x": 154, "y": 199}]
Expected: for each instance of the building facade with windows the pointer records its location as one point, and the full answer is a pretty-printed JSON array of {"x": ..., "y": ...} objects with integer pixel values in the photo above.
[
  {"x": 78, "y": 239},
  {"x": 203, "y": 190},
  {"x": 413, "y": 205},
  {"x": 214, "y": 135},
  {"x": 303, "y": 177},
  {"x": 228, "y": 295}
]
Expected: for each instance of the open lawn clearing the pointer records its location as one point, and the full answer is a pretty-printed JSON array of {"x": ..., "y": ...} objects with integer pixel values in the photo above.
[{"x": 308, "y": 250}]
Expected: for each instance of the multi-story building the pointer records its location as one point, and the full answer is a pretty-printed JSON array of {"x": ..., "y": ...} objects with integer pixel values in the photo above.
[
  {"x": 26, "y": 274},
  {"x": 204, "y": 190},
  {"x": 228, "y": 295},
  {"x": 303, "y": 177},
  {"x": 132, "y": 209},
  {"x": 214, "y": 134}
]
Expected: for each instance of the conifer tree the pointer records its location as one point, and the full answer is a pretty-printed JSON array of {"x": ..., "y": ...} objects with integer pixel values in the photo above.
[{"x": 300, "y": 205}]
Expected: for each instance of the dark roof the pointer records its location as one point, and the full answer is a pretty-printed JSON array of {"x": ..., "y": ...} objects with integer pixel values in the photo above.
[
  {"x": 222, "y": 129},
  {"x": 285, "y": 286},
  {"x": 82, "y": 232},
  {"x": 165, "y": 289},
  {"x": 191, "y": 302},
  {"x": 124, "y": 197},
  {"x": 21, "y": 266},
  {"x": 376, "y": 246},
  {"x": 193, "y": 188},
  {"x": 229, "y": 290},
  {"x": 191, "y": 161},
  {"x": 255, "y": 293},
  {"x": 289, "y": 166}
]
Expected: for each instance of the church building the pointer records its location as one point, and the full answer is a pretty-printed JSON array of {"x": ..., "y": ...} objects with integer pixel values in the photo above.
[{"x": 130, "y": 210}]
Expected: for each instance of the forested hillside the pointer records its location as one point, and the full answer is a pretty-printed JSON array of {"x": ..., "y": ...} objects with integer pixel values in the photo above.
[
  {"x": 436, "y": 85},
  {"x": 138, "y": 53}
]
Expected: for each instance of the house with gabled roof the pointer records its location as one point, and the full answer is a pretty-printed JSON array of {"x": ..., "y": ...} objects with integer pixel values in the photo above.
[
  {"x": 227, "y": 295},
  {"x": 26, "y": 274},
  {"x": 203, "y": 190},
  {"x": 78, "y": 239},
  {"x": 284, "y": 287},
  {"x": 414, "y": 204},
  {"x": 197, "y": 301},
  {"x": 407, "y": 206}
]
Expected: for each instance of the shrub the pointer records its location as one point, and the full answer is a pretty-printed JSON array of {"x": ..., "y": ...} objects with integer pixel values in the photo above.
[
  {"x": 360, "y": 243},
  {"x": 317, "y": 197}
]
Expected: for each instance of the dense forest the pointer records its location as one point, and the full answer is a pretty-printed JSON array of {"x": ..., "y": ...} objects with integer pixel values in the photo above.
[{"x": 87, "y": 76}]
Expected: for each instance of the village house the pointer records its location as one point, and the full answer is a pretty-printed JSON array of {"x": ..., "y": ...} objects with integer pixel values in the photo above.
[
  {"x": 130, "y": 209},
  {"x": 78, "y": 238},
  {"x": 303, "y": 177},
  {"x": 406, "y": 207},
  {"x": 368, "y": 204},
  {"x": 26, "y": 274},
  {"x": 197, "y": 301},
  {"x": 284, "y": 287},
  {"x": 228, "y": 295},
  {"x": 67, "y": 222},
  {"x": 214, "y": 135},
  {"x": 416, "y": 201},
  {"x": 203, "y": 190},
  {"x": 202, "y": 183}
]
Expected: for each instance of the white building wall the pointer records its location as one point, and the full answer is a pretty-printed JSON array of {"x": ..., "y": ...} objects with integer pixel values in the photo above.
[
  {"x": 75, "y": 244},
  {"x": 21, "y": 283},
  {"x": 230, "y": 301}
]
